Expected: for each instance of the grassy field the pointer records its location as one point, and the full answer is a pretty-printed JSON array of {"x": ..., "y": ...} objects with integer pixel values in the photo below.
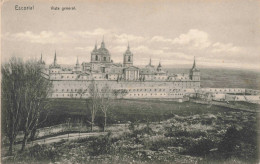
[{"x": 122, "y": 111}]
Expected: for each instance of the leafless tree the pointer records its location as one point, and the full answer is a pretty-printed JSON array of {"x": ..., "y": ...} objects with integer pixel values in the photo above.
[
  {"x": 36, "y": 90},
  {"x": 11, "y": 98},
  {"x": 93, "y": 101},
  {"x": 105, "y": 102}
]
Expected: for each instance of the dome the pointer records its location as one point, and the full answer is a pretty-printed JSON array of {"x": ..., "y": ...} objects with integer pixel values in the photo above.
[{"x": 103, "y": 51}]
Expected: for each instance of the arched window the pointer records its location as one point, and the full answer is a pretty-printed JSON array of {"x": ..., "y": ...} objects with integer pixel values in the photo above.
[
  {"x": 129, "y": 58},
  {"x": 96, "y": 57}
]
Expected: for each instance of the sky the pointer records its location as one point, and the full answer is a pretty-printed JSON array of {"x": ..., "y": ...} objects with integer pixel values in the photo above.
[{"x": 223, "y": 33}]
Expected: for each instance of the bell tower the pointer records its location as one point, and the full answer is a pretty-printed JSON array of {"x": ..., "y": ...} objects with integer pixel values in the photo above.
[
  {"x": 194, "y": 72},
  {"x": 128, "y": 57}
]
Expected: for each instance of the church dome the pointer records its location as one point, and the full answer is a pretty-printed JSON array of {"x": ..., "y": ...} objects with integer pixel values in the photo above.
[{"x": 103, "y": 51}]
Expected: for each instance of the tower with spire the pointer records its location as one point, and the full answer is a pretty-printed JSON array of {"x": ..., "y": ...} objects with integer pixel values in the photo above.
[
  {"x": 128, "y": 57},
  {"x": 159, "y": 68},
  {"x": 41, "y": 62},
  {"x": 77, "y": 68},
  {"x": 54, "y": 68},
  {"x": 194, "y": 72}
]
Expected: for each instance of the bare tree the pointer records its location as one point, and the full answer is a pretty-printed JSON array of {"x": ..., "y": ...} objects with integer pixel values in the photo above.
[
  {"x": 36, "y": 90},
  {"x": 93, "y": 101},
  {"x": 11, "y": 98},
  {"x": 105, "y": 102}
]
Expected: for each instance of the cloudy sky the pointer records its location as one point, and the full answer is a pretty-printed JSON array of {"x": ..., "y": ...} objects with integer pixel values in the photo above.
[{"x": 219, "y": 33}]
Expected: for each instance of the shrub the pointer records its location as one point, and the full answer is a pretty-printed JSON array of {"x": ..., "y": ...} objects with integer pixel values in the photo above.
[
  {"x": 239, "y": 143},
  {"x": 200, "y": 148},
  {"x": 39, "y": 153},
  {"x": 101, "y": 145}
]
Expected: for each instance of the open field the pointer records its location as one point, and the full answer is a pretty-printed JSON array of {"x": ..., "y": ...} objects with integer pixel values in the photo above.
[{"x": 122, "y": 111}]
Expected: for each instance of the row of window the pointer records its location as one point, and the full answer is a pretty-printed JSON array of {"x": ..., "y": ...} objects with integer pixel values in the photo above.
[
  {"x": 129, "y": 90},
  {"x": 176, "y": 94},
  {"x": 225, "y": 90},
  {"x": 71, "y": 95}
]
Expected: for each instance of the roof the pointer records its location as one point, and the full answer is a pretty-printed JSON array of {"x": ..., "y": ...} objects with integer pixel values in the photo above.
[{"x": 131, "y": 68}]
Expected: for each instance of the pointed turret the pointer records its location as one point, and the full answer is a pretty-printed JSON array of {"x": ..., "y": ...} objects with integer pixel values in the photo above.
[
  {"x": 194, "y": 72},
  {"x": 77, "y": 68},
  {"x": 55, "y": 59},
  {"x": 103, "y": 43},
  {"x": 128, "y": 47},
  {"x": 95, "y": 46},
  {"x": 150, "y": 63},
  {"x": 55, "y": 65},
  {"x": 41, "y": 61},
  {"x": 159, "y": 68},
  {"x": 77, "y": 63},
  {"x": 194, "y": 63}
]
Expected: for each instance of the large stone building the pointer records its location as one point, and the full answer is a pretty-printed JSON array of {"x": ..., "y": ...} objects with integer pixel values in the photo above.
[{"x": 130, "y": 81}]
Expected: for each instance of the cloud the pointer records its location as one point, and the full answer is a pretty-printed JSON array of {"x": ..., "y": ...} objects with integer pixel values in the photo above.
[
  {"x": 220, "y": 47},
  {"x": 95, "y": 32},
  {"x": 144, "y": 50},
  {"x": 181, "y": 48},
  {"x": 124, "y": 38},
  {"x": 43, "y": 37},
  {"x": 161, "y": 39},
  {"x": 195, "y": 38},
  {"x": 88, "y": 49}
]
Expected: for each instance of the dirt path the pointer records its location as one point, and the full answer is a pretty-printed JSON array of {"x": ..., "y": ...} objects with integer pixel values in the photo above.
[{"x": 71, "y": 136}]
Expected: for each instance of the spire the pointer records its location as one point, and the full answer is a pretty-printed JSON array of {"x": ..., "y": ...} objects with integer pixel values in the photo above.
[
  {"x": 128, "y": 47},
  {"x": 96, "y": 45},
  {"x": 160, "y": 64},
  {"x": 103, "y": 43},
  {"x": 77, "y": 63},
  {"x": 194, "y": 63},
  {"x": 55, "y": 59},
  {"x": 150, "y": 63}
]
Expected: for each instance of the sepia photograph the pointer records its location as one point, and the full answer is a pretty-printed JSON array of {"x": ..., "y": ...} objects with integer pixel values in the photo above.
[{"x": 141, "y": 81}]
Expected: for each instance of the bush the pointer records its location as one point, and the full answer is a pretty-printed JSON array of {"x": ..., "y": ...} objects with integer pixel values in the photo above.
[
  {"x": 177, "y": 132},
  {"x": 200, "y": 148},
  {"x": 101, "y": 145},
  {"x": 239, "y": 143},
  {"x": 41, "y": 153}
]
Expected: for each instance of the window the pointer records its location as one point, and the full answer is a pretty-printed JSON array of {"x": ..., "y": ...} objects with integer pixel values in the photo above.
[
  {"x": 96, "y": 57},
  {"x": 105, "y": 58},
  {"x": 129, "y": 58}
]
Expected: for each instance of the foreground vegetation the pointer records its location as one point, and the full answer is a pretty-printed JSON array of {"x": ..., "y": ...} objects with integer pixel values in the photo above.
[{"x": 156, "y": 132}]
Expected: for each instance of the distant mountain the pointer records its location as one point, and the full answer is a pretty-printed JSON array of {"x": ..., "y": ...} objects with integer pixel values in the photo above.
[{"x": 233, "y": 78}]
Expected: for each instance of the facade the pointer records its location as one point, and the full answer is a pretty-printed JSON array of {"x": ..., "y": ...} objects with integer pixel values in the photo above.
[{"x": 148, "y": 82}]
